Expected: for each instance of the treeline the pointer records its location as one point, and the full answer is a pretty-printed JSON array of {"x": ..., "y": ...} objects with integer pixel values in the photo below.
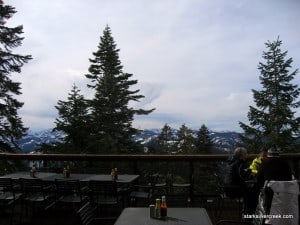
[{"x": 181, "y": 141}]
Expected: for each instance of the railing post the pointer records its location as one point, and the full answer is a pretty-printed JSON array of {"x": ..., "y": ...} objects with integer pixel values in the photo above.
[
  {"x": 191, "y": 173},
  {"x": 135, "y": 167},
  {"x": 296, "y": 168}
]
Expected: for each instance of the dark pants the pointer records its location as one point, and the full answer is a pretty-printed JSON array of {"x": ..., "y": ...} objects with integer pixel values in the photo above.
[
  {"x": 249, "y": 195},
  {"x": 251, "y": 199}
]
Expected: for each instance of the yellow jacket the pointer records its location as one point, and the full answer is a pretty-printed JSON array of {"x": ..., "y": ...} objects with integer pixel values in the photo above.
[{"x": 255, "y": 165}]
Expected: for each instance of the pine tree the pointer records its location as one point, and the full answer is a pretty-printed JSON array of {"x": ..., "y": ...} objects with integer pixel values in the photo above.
[
  {"x": 111, "y": 114},
  {"x": 166, "y": 139},
  {"x": 73, "y": 121},
  {"x": 272, "y": 121},
  {"x": 204, "y": 143},
  {"x": 185, "y": 140},
  {"x": 11, "y": 125}
]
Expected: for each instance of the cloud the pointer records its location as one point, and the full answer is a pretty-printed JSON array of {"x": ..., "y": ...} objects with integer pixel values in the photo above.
[{"x": 195, "y": 61}]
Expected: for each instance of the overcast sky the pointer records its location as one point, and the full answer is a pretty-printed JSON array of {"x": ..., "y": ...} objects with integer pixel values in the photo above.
[{"x": 195, "y": 60}]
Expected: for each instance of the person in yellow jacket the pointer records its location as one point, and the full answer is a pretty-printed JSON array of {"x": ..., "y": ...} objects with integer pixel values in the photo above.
[{"x": 254, "y": 166}]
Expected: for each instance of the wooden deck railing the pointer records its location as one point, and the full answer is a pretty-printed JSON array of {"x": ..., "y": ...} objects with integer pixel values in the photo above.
[{"x": 136, "y": 160}]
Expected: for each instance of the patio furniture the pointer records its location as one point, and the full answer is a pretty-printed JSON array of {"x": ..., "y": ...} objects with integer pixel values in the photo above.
[
  {"x": 162, "y": 185},
  {"x": 86, "y": 214},
  {"x": 212, "y": 202},
  {"x": 36, "y": 195},
  {"x": 8, "y": 196},
  {"x": 70, "y": 194},
  {"x": 104, "y": 194},
  {"x": 82, "y": 177},
  {"x": 235, "y": 200},
  {"x": 179, "y": 194},
  {"x": 144, "y": 192},
  {"x": 176, "y": 216}
]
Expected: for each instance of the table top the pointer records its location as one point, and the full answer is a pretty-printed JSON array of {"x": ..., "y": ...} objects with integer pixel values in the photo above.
[
  {"x": 122, "y": 178},
  {"x": 176, "y": 216}
]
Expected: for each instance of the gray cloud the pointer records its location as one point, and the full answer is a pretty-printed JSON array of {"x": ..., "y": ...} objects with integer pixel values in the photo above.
[{"x": 195, "y": 63}]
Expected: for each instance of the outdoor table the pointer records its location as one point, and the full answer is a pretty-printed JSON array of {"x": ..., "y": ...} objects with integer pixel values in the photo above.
[
  {"x": 176, "y": 216},
  {"x": 122, "y": 178},
  {"x": 82, "y": 177},
  {"x": 26, "y": 174}
]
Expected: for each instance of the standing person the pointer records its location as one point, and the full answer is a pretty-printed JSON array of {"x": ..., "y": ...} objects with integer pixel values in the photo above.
[
  {"x": 234, "y": 183},
  {"x": 273, "y": 168}
]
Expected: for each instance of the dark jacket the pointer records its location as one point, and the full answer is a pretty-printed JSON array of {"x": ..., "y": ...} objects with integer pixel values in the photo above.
[
  {"x": 273, "y": 168},
  {"x": 236, "y": 172}
]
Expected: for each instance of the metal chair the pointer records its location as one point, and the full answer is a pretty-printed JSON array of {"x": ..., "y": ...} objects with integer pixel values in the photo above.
[
  {"x": 86, "y": 214},
  {"x": 236, "y": 200},
  {"x": 36, "y": 194},
  {"x": 69, "y": 193},
  {"x": 180, "y": 194},
  {"x": 104, "y": 194},
  {"x": 144, "y": 192},
  {"x": 8, "y": 196},
  {"x": 162, "y": 185}
]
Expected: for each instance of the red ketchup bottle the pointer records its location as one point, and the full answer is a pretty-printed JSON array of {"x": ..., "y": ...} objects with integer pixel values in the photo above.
[{"x": 163, "y": 207}]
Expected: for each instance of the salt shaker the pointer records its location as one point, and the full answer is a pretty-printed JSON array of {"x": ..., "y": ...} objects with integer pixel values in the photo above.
[{"x": 152, "y": 211}]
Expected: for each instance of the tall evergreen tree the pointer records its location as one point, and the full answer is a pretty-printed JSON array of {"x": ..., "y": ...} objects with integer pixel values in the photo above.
[
  {"x": 11, "y": 125},
  {"x": 204, "y": 143},
  {"x": 73, "y": 121},
  {"x": 111, "y": 114},
  {"x": 185, "y": 139},
  {"x": 272, "y": 121}
]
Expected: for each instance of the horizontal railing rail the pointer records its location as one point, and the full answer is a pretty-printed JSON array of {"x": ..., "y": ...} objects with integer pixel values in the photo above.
[
  {"x": 128, "y": 157},
  {"x": 137, "y": 160}
]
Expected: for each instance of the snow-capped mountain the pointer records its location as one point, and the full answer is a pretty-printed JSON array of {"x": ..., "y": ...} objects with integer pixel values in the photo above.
[
  {"x": 33, "y": 139},
  {"x": 223, "y": 141}
]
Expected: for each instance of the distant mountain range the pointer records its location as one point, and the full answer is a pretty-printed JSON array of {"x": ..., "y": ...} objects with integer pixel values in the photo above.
[{"x": 223, "y": 141}]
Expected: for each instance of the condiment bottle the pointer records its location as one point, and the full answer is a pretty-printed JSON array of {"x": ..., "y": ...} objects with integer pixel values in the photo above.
[
  {"x": 32, "y": 171},
  {"x": 112, "y": 173},
  {"x": 152, "y": 211},
  {"x": 163, "y": 207},
  {"x": 116, "y": 173},
  {"x": 65, "y": 172},
  {"x": 68, "y": 172},
  {"x": 157, "y": 208}
]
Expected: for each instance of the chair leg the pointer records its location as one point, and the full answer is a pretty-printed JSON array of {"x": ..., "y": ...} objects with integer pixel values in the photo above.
[
  {"x": 12, "y": 213},
  {"x": 132, "y": 201},
  {"x": 221, "y": 206},
  {"x": 21, "y": 212}
]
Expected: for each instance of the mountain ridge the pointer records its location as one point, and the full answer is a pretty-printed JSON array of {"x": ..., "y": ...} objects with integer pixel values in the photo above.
[{"x": 222, "y": 140}]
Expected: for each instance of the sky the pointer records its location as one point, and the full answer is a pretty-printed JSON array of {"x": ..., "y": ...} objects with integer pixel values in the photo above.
[{"x": 195, "y": 60}]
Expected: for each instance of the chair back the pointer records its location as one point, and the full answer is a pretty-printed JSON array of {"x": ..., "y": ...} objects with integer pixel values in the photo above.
[
  {"x": 103, "y": 190},
  {"x": 103, "y": 187},
  {"x": 153, "y": 180},
  {"x": 6, "y": 184},
  {"x": 86, "y": 214},
  {"x": 31, "y": 185},
  {"x": 8, "y": 196},
  {"x": 279, "y": 197},
  {"x": 67, "y": 187},
  {"x": 6, "y": 187}
]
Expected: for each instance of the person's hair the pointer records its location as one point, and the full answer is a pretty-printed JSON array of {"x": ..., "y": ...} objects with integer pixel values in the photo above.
[{"x": 239, "y": 151}]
